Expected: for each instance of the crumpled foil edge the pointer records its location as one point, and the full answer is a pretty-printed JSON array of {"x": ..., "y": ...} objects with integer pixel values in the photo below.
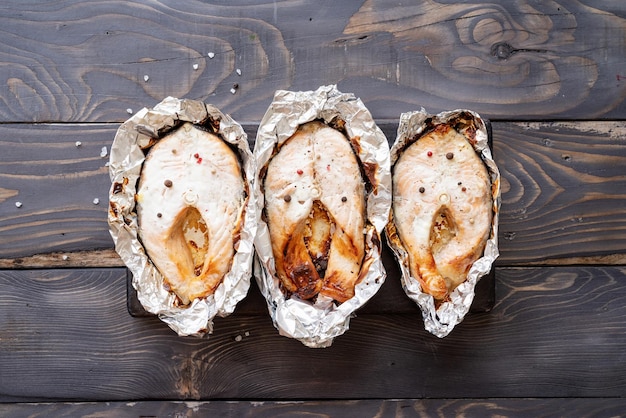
[
  {"x": 317, "y": 324},
  {"x": 125, "y": 163},
  {"x": 440, "y": 322}
]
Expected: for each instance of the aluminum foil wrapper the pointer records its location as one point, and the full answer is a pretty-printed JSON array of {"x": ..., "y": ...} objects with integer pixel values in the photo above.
[
  {"x": 128, "y": 152},
  {"x": 317, "y": 323},
  {"x": 440, "y": 321}
]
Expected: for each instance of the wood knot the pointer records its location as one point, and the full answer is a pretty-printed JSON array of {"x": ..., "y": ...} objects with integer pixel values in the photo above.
[{"x": 502, "y": 50}]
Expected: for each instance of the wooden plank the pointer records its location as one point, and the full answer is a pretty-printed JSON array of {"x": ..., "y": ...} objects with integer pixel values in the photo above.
[
  {"x": 554, "y": 332},
  {"x": 562, "y": 193},
  {"x": 521, "y": 60},
  {"x": 55, "y": 182},
  {"x": 564, "y": 187},
  {"x": 400, "y": 408}
]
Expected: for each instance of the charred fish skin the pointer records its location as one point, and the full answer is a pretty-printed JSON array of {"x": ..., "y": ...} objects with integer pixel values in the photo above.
[
  {"x": 190, "y": 202},
  {"x": 315, "y": 206},
  {"x": 442, "y": 208}
]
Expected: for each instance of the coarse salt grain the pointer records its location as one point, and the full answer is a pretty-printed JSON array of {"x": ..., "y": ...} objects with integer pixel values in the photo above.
[
  {"x": 66, "y": 257},
  {"x": 103, "y": 152},
  {"x": 233, "y": 91},
  {"x": 195, "y": 66},
  {"x": 18, "y": 204},
  {"x": 238, "y": 338},
  {"x": 238, "y": 71},
  {"x": 129, "y": 111},
  {"x": 211, "y": 55},
  {"x": 96, "y": 201},
  {"x": 146, "y": 77},
  {"x": 78, "y": 143}
]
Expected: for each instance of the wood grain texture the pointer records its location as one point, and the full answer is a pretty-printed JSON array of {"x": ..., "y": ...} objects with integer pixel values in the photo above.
[
  {"x": 68, "y": 259},
  {"x": 549, "y": 74},
  {"x": 400, "y": 408},
  {"x": 554, "y": 332},
  {"x": 562, "y": 193},
  {"x": 86, "y": 62},
  {"x": 564, "y": 187},
  {"x": 56, "y": 182}
]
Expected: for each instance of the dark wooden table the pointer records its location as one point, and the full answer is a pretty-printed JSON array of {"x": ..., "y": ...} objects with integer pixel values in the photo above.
[{"x": 550, "y": 75}]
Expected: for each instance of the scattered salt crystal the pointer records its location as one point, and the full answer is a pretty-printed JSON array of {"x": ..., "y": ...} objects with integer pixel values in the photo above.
[
  {"x": 233, "y": 91},
  {"x": 96, "y": 201},
  {"x": 103, "y": 152},
  {"x": 211, "y": 55},
  {"x": 238, "y": 338},
  {"x": 247, "y": 334},
  {"x": 18, "y": 204},
  {"x": 78, "y": 143},
  {"x": 146, "y": 77},
  {"x": 66, "y": 257},
  {"x": 195, "y": 66},
  {"x": 238, "y": 71},
  {"x": 129, "y": 111}
]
